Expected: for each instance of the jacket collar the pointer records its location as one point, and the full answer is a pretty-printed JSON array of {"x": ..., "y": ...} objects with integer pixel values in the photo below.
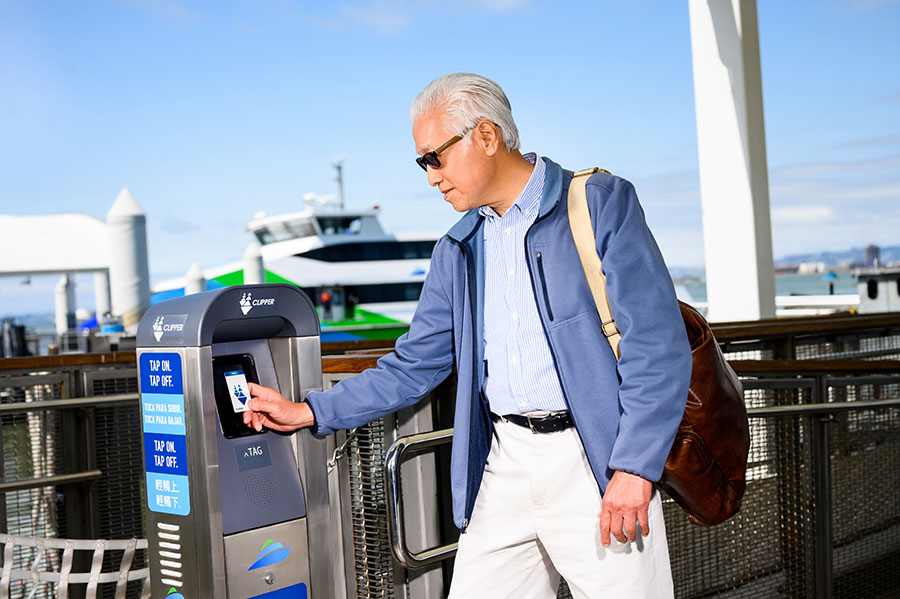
[{"x": 471, "y": 220}]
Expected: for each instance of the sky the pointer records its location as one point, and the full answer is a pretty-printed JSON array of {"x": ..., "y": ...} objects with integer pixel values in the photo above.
[{"x": 211, "y": 111}]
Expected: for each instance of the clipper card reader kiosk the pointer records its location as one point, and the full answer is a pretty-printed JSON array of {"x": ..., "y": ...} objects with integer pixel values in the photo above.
[{"x": 229, "y": 513}]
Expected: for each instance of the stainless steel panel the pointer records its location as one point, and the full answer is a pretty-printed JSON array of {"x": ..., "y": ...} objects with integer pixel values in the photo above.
[
  {"x": 312, "y": 458},
  {"x": 201, "y": 409},
  {"x": 242, "y": 550}
]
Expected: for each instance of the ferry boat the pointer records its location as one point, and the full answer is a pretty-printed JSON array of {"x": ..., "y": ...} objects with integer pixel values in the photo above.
[{"x": 364, "y": 281}]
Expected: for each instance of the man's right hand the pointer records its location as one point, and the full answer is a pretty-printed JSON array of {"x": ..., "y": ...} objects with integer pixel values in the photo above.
[{"x": 268, "y": 408}]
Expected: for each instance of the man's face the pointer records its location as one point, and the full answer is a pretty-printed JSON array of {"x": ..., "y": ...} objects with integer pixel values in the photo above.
[{"x": 464, "y": 176}]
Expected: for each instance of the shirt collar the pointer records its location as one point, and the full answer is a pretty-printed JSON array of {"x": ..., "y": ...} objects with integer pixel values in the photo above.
[{"x": 530, "y": 196}]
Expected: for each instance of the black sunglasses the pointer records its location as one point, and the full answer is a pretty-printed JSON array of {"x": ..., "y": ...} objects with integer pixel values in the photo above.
[{"x": 431, "y": 158}]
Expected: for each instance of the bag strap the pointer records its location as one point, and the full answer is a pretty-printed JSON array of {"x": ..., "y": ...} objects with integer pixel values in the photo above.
[{"x": 585, "y": 243}]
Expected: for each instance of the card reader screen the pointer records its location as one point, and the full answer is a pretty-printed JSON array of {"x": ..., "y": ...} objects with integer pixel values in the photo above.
[
  {"x": 231, "y": 375},
  {"x": 237, "y": 389}
]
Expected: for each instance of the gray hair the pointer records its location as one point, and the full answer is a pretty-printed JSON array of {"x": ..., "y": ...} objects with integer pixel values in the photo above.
[{"x": 468, "y": 99}]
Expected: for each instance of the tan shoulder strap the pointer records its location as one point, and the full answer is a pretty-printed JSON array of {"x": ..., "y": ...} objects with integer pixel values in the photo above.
[{"x": 585, "y": 243}]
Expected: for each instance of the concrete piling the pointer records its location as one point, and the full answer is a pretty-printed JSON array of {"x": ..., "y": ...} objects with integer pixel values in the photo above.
[{"x": 65, "y": 304}]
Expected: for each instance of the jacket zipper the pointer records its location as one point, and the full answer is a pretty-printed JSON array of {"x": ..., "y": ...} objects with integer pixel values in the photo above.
[
  {"x": 470, "y": 267},
  {"x": 540, "y": 264}
]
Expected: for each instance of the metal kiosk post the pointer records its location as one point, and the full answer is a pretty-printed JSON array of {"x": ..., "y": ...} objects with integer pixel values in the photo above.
[{"x": 229, "y": 513}]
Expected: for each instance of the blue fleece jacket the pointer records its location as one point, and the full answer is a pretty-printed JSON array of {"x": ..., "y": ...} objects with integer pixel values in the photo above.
[{"x": 626, "y": 413}]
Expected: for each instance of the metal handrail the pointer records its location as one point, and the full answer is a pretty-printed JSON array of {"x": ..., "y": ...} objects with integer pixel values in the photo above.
[
  {"x": 820, "y": 408},
  {"x": 400, "y": 448},
  {"x": 49, "y": 481},
  {"x": 73, "y": 402}
]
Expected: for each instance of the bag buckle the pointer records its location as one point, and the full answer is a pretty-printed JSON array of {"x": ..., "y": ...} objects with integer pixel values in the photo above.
[{"x": 612, "y": 332}]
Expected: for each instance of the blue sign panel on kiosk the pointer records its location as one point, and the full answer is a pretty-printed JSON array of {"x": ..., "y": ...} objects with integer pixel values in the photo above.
[{"x": 165, "y": 446}]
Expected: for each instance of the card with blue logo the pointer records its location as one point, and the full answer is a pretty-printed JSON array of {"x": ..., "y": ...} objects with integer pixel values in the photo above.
[{"x": 238, "y": 390}]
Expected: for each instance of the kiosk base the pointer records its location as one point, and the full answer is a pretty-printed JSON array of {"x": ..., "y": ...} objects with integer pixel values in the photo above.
[{"x": 250, "y": 555}]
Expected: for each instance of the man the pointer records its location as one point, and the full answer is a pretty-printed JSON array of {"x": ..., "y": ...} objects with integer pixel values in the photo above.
[{"x": 550, "y": 431}]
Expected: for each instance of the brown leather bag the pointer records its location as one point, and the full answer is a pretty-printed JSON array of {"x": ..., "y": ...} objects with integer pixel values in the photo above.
[{"x": 705, "y": 471}]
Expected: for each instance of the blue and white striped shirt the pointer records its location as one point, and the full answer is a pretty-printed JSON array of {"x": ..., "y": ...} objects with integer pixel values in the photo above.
[{"x": 520, "y": 372}]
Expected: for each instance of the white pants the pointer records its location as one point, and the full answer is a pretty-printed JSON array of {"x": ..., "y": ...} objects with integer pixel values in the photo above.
[{"x": 536, "y": 517}]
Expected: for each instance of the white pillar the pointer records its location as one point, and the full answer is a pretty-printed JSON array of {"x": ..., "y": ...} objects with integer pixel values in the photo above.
[
  {"x": 102, "y": 302},
  {"x": 129, "y": 271},
  {"x": 65, "y": 304},
  {"x": 734, "y": 182},
  {"x": 254, "y": 272},
  {"x": 194, "y": 281}
]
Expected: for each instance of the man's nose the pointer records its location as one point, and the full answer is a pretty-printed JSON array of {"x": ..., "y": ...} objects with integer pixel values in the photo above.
[{"x": 434, "y": 176}]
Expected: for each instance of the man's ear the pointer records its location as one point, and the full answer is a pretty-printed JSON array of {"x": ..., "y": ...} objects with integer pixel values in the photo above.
[{"x": 487, "y": 136}]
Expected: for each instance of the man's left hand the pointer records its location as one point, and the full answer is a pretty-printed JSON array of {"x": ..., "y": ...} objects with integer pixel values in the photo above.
[{"x": 625, "y": 502}]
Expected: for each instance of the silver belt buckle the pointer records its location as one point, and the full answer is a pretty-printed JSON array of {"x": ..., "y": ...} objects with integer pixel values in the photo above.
[{"x": 536, "y": 414}]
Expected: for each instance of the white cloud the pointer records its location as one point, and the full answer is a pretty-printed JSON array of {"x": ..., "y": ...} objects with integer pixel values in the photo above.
[
  {"x": 386, "y": 17},
  {"x": 392, "y": 17},
  {"x": 867, "y": 5},
  {"x": 802, "y": 214},
  {"x": 887, "y": 191},
  {"x": 171, "y": 11},
  {"x": 504, "y": 5},
  {"x": 837, "y": 166},
  {"x": 881, "y": 141}
]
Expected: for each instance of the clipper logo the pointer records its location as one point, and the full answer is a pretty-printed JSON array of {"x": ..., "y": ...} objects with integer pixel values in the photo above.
[
  {"x": 160, "y": 326},
  {"x": 247, "y": 302},
  {"x": 246, "y": 306},
  {"x": 271, "y": 553},
  {"x": 173, "y": 594}
]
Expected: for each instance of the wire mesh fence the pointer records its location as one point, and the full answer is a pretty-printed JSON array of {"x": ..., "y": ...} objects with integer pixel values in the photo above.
[
  {"x": 70, "y": 470},
  {"x": 32, "y": 449},
  {"x": 372, "y": 560},
  {"x": 767, "y": 549}
]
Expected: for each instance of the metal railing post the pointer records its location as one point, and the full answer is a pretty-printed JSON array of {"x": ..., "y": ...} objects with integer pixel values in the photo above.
[
  {"x": 793, "y": 499},
  {"x": 824, "y": 528}
]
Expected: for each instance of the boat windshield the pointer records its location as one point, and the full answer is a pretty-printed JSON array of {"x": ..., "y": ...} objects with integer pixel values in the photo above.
[
  {"x": 285, "y": 230},
  {"x": 340, "y": 225}
]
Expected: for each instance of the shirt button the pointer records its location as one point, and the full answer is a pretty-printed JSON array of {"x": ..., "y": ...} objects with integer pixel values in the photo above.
[
  {"x": 508, "y": 230},
  {"x": 514, "y": 360},
  {"x": 511, "y": 272},
  {"x": 514, "y": 315},
  {"x": 522, "y": 404}
]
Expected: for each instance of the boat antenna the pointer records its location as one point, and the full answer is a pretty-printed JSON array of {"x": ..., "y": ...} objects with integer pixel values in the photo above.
[{"x": 339, "y": 164}]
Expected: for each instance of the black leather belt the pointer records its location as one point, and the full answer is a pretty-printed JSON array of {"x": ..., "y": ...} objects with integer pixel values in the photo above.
[{"x": 552, "y": 423}]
